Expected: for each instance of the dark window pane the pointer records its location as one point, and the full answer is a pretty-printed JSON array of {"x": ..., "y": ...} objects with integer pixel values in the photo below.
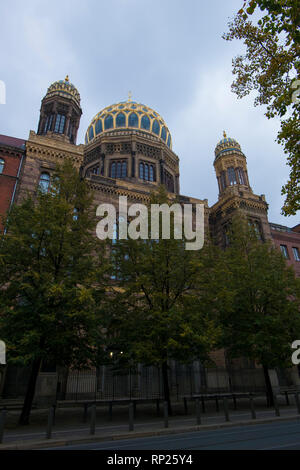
[
  {"x": 98, "y": 127},
  {"x": 164, "y": 133},
  {"x": 169, "y": 141},
  {"x": 145, "y": 123},
  {"x": 119, "y": 165},
  {"x": 231, "y": 176},
  {"x": 151, "y": 173},
  {"x": 121, "y": 120},
  {"x": 133, "y": 120},
  {"x": 113, "y": 170},
  {"x": 147, "y": 172},
  {"x": 91, "y": 133},
  {"x": 142, "y": 171},
  {"x": 155, "y": 127},
  {"x": 108, "y": 122},
  {"x": 124, "y": 169},
  {"x": 1, "y": 165}
]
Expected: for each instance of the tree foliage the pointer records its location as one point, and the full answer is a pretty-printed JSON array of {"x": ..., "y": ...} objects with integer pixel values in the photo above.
[
  {"x": 159, "y": 314},
  {"x": 49, "y": 262},
  {"x": 271, "y": 67},
  {"x": 262, "y": 319}
]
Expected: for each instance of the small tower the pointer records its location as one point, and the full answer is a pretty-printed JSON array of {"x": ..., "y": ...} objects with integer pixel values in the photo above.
[
  {"x": 230, "y": 166},
  {"x": 235, "y": 193},
  {"x": 60, "y": 111}
]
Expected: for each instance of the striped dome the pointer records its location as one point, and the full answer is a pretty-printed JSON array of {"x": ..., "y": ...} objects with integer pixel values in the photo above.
[
  {"x": 64, "y": 88},
  {"x": 227, "y": 145},
  {"x": 129, "y": 115}
]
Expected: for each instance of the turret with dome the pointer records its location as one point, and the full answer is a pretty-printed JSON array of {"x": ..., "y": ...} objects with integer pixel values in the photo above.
[{"x": 60, "y": 111}]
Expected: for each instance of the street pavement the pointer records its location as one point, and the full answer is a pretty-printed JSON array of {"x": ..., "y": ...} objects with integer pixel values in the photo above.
[{"x": 280, "y": 436}]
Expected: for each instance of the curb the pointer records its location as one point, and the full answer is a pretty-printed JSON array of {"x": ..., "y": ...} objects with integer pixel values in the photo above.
[{"x": 44, "y": 444}]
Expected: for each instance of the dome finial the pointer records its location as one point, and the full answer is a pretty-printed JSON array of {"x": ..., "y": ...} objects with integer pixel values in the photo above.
[
  {"x": 129, "y": 95},
  {"x": 224, "y": 135},
  {"x": 67, "y": 78}
]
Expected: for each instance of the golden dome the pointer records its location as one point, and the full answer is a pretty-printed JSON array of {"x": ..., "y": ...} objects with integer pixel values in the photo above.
[
  {"x": 64, "y": 88},
  {"x": 226, "y": 145},
  {"x": 129, "y": 115}
]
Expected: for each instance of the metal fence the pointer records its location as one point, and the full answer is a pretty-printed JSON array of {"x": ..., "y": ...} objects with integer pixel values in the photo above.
[{"x": 146, "y": 382}]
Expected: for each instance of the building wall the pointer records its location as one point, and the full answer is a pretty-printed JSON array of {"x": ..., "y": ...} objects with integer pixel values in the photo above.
[
  {"x": 289, "y": 237},
  {"x": 12, "y": 152}
]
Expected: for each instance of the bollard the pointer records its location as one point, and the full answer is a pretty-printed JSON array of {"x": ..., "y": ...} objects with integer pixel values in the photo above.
[
  {"x": 297, "y": 402},
  {"x": 85, "y": 412},
  {"x": 131, "y": 416},
  {"x": 50, "y": 422},
  {"x": 185, "y": 405},
  {"x": 226, "y": 411},
  {"x": 253, "y": 413},
  {"x": 93, "y": 420},
  {"x": 277, "y": 412},
  {"x": 198, "y": 414},
  {"x": 166, "y": 415},
  {"x": 2, "y": 424}
]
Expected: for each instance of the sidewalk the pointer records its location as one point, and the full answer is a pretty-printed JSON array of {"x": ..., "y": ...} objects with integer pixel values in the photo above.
[{"x": 145, "y": 425}]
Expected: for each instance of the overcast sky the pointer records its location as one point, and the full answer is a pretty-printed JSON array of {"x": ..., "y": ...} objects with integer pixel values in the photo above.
[{"x": 169, "y": 53}]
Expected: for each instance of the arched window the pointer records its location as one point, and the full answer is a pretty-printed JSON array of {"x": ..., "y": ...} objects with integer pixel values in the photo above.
[
  {"x": 231, "y": 176},
  {"x": 223, "y": 180},
  {"x": 108, "y": 122},
  {"x": 133, "y": 120},
  {"x": 48, "y": 123},
  {"x": 141, "y": 172},
  {"x": 121, "y": 120},
  {"x": 2, "y": 162},
  {"x": 169, "y": 141},
  {"x": 91, "y": 133},
  {"x": 145, "y": 123},
  {"x": 118, "y": 169},
  {"x": 44, "y": 182},
  {"x": 155, "y": 127},
  {"x": 146, "y": 172},
  {"x": 151, "y": 175},
  {"x": 113, "y": 170},
  {"x": 124, "y": 169},
  {"x": 98, "y": 127},
  {"x": 241, "y": 175},
  {"x": 60, "y": 124},
  {"x": 164, "y": 133}
]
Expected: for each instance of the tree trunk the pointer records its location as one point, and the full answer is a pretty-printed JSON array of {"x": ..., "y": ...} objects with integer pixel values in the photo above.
[
  {"x": 24, "y": 418},
  {"x": 269, "y": 391},
  {"x": 166, "y": 386}
]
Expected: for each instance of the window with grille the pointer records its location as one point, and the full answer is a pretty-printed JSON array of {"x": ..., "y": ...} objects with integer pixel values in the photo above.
[
  {"x": 118, "y": 169},
  {"x": 60, "y": 124},
  {"x": 296, "y": 253},
  {"x": 284, "y": 251}
]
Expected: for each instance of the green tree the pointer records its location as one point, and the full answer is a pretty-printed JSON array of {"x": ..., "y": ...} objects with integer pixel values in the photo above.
[
  {"x": 50, "y": 259},
  {"x": 158, "y": 313},
  {"x": 271, "y": 66},
  {"x": 262, "y": 319}
]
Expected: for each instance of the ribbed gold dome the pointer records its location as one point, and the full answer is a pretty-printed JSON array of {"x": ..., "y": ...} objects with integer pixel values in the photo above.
[
  {"x": 129, "y": 115},
  {"x": 64, "y": 88},
  {"x": 227, "y": 145}
]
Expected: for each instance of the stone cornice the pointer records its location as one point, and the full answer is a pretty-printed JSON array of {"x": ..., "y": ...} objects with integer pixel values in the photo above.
[{"x": 38, "y": 146}]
